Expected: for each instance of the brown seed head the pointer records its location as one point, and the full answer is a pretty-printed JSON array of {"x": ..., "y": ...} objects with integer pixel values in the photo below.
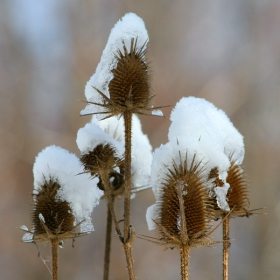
[
  {"x": 198, "y": 208},
  {"x": 57, "y": 218},
  {"x": 130, "y": 88},
  {"x": 238, "y": 193},
  {"x": 102, "y": 157},
  {"x": 237, "y": 196}
]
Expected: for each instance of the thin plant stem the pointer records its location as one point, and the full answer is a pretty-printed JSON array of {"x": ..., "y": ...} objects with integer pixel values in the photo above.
[
  {"x": 55, "y": 243},
  {"x": 108, "y": 242},
  {"x": 127, "y": 240},
  {"x": 184, "y": 253},
  {"x": 104, "y": 174},
  {"x": 226, "y": 245}
]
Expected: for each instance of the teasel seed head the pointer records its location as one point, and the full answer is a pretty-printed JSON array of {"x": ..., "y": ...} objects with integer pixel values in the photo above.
[
  {"x": 185, "y": 210},
  {"x": 51, "y": 218},
  {"x": 102, "y": 157},
  {"x": 130, "y": 88},
  {"x": 237, "y": 195}
]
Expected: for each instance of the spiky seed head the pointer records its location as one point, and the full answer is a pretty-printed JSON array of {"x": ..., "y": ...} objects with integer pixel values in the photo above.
[
  {"x": 51, "y": 217},
  {"x": 238, "y": 198},
  {"x": 101, "y": 157},
  {"x": 198, "y": 208},
  {"x": 237, "y": 195},
  {"x": 130, "y": 87}
]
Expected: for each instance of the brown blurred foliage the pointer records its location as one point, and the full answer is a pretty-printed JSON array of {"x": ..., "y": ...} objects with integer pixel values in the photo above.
[{"x": 225, "y": 51}]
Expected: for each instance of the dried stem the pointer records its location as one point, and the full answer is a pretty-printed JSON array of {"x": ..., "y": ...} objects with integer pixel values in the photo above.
[
  {"x": 55, "y": 243},
  {"x": 129, "y": 260},
  {"x": 108, "y": 241},
  {"x": 111, "y": 216},
  {"x": 104, "y": 174},
  {"x": 127, "y": 240},
  {"x": 184, "y": 253},
  {"x": 226, "y": 245}
]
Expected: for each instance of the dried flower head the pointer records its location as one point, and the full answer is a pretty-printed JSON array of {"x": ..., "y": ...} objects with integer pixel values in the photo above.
[
  {"x": 237, "y": 195},
  {"x": 51, "y": 217},
  {"x": 184, "y": 208},
  {"x": 130, "y": 87},
  {"x": 101, "y": 158},
  {"x": 63, "y": 201},
  {"x": 238, "y": 198}
]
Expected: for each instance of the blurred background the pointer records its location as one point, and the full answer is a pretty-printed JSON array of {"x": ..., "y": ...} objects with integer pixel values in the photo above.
[{"x": 227, "y": 52}]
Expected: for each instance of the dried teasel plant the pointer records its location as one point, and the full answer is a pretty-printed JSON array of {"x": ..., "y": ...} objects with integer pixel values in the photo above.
[
  {"x": 62, "y": 201},
  {"x": 121, "y": 86},
  {"x": 130, "y": 93},
  {"x": 102, "y": 162},
  {"x": 184, "y": 211},
  {"x": 52, "y": 221}
]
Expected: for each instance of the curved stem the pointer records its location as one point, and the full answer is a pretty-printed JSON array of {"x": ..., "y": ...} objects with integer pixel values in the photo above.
[
  {"x": 55, "y": 243},
  {"x": 226, "y": 245}
]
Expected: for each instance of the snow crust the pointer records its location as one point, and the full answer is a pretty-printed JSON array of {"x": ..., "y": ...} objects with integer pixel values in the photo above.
[
  {"x": 130, "y": 26},
  {"x": 79, "y": 190},
  {"x": 197, "y": 117},
  {"x": 158, "y": 113},
  {"x": 217, "y": 136},
  {"x": 92, "y": 135},
  {"x": 151, "y": 215}
]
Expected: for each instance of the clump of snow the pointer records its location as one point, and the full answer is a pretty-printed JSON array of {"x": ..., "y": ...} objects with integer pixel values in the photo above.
[
  {"x": 221, "y": 193},
  {"x": 141, "y": 152},
  {"x": 28, "y": 237},
  {"x": 196, "y": 117},
  {"x": 23, "y": 227},
  {"x": 130, "y": 26},
  {"x": 41, "y": 218},
  {"x": 157, "y": 113},
  {"x": 151, "y": 215},
  {"x": 79, "y": 190},
  {"x": 92, "y": 135}
]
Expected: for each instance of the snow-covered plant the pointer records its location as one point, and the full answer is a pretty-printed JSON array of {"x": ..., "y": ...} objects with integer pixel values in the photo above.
[
  {"x": 63, "y": 201},
  {"x": 183, "y": 213},
  {"x": 200, "y": 130},
  {"x": 196, "y": 176},
  {"x": 121, "y": 87}
]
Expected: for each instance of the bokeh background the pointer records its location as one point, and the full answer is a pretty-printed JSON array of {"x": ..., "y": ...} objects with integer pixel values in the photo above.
[{"x": 227, "y": 52}]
